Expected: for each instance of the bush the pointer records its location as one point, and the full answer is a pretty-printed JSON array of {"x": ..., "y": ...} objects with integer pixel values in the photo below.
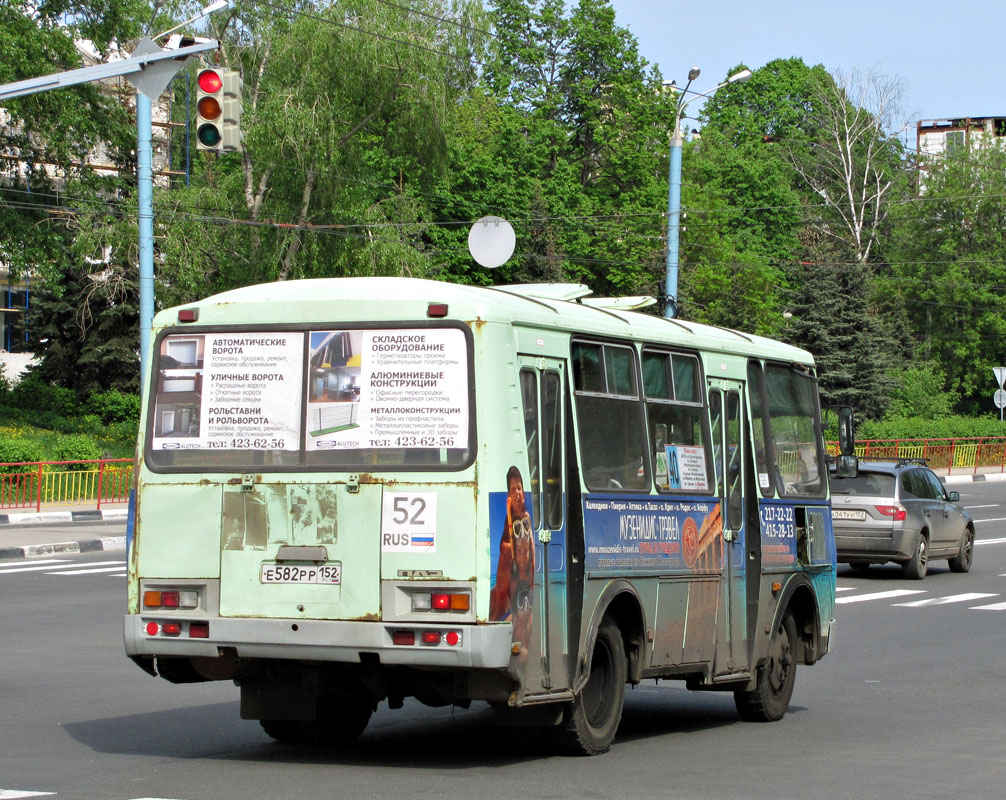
[
  {"x": 114, "y": 406},
  {"x": 18, "y": 449},
  {"x": 31, "y": 393},
  {"x": 75, "y": 447},
  {"x": 951, "y": 427}
]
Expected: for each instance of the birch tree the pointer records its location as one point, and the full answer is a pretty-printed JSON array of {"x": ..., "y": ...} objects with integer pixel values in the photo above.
[{"x": 854, "y": 163}]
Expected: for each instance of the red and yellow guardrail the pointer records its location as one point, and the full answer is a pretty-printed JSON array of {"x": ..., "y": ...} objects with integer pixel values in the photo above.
[
  {"x": 30, "y": 484},
  {"x": 987, "y": 453}
]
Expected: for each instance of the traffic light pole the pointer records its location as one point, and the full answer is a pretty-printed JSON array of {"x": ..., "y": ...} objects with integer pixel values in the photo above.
[
  {"x": 145, "y": 192},
  {"x": 149, "y": 69}
]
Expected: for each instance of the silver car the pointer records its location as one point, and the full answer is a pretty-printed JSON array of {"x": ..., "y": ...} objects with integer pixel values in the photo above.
[{"x": 899, "y": 511}]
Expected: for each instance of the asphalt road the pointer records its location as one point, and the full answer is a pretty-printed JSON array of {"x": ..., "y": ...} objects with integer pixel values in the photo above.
[{"x": 910, "y": 703}]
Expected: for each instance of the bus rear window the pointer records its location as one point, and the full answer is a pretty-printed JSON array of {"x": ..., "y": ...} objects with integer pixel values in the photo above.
[{"x": 368, "y": 398}]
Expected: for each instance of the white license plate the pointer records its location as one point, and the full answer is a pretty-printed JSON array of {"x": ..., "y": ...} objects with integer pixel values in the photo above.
[
  {"x": 298, "y": 573},
  {"x": 844, "y": 513}
]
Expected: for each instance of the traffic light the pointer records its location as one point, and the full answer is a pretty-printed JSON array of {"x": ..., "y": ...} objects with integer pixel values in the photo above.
[{"x": 218, "y": 110}]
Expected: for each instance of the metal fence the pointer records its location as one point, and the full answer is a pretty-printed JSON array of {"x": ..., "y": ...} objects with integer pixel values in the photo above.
[
  {"x": 987, "y": 454},
  {"x": 30, "y": 484}
]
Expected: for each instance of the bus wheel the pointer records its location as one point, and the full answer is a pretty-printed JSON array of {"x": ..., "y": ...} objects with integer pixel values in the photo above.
[
  {"x": 340, "y": 721},
  {"x": 591, "y": 720},
  {"x": 770, "y": 698}
]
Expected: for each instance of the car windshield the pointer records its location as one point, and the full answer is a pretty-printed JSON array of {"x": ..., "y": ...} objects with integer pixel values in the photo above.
[{"x": 874, "y": 484}]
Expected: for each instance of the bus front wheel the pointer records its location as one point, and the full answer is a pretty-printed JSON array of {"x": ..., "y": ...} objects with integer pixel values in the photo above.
[
  {"x": 591, "y": 720},
  {"x": 769, "y": 700}
]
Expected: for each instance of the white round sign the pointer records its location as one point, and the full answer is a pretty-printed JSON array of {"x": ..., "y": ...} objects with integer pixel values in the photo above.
[
  {"x": 491, "y": 241},
  {"x": 1000, "y": 398}
]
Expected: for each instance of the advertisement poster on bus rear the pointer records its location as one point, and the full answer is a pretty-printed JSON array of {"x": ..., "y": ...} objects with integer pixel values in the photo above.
[
  {"x": 234, "y": 391},
  {"x": 398, "y": 388}
]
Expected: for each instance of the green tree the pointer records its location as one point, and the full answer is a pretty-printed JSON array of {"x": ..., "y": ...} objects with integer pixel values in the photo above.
[
  {"x": 575, "y": 154},
  {"x": 919, "y": 392},
  {"x": 947, "y": 258},
  {"x": 743, "y": 200}
]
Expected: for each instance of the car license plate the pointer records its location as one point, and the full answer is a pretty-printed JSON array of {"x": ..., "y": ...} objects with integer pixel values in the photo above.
[
  {"x": 299, "y": 573},
  {"x": 847, "y": 513}
]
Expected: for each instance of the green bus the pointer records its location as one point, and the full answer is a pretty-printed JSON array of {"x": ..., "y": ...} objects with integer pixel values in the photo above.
[{"x": 355, "y": 490}]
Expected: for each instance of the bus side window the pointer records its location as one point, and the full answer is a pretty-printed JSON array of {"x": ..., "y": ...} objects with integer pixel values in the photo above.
[
  {"x": 609, "y": 415},
  {"x": 675, "y": 417}
]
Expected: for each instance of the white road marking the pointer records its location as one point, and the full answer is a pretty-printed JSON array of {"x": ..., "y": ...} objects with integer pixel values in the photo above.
[
  {"x": 13, "y": 794},
  {"x": 992, "y": 607},
  {"x": 990, "y": 505},
  {"x": 31, "y": 561},
  {"x": 992, "y": 519},
  {"x": 990, "y": 541},
  {"x": 845, "y": 588},
  {"x": 941, "y": 601},
  {"x": 60, "y": 567},
  {"x": 860, "y": 598},
  {"x": 118, "y": 568}
]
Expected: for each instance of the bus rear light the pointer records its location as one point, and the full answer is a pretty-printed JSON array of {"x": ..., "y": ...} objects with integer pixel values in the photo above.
[
  {"x": 441, "y": 602},
  {"x": 171, "y": 598},
  {"x": 188, "y": 315},
  {"x": 452, "y": 638},
  {"x": 431, "y": 637},
  {"x": 152, "y": 628},
  {"x": 403, "y": 637},
  {"x": 171, "y": 628},
  {"x": 199, "y": 630},
  {"x": 436, "y": 310},
  {"x": 897, "y": 512}
]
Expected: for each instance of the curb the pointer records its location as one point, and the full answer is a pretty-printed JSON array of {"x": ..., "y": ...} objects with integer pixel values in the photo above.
[
  {"x": 995, "y": 477},
  {"x": 50, "y": 517},
  {"x": 83, "y": 546}
]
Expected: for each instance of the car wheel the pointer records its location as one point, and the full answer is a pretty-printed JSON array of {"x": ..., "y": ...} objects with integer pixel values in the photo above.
[
  {"x": 769, "y": 700},
  {"x": 962, "y": 561},
  {"x": 915, "y": 568}
]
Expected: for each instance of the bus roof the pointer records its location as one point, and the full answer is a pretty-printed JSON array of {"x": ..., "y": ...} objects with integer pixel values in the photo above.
[{"x": 545, "y": 305}]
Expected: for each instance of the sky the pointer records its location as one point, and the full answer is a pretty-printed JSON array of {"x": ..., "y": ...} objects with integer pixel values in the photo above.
[{"x": 950, "y": 53}]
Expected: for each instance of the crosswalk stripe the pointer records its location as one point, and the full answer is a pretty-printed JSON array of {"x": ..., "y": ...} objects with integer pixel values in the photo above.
[
  {"x": 860, "y": 598},
  {"x": 991, "y": 607},
  {"x": 15, "y": 794},
  {"x": 941, "y": 601},
  {"x": 118, "y": 568},
  {"x": 845, "y": 588},
  {"x": 30, "y": 562},
  {"x": 68, "y": 565}
]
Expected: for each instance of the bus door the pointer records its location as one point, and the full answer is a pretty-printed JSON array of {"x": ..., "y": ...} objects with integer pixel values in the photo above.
[
  {"x": 541, "y": 385},
  {"x": 727, "y": 417}
]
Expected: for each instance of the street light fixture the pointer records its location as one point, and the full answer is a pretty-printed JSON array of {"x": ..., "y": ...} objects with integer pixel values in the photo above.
[{"x": 674, "y": 184}]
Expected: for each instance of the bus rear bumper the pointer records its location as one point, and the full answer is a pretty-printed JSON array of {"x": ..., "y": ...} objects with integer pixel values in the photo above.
[{"x": 478, "y": 646}]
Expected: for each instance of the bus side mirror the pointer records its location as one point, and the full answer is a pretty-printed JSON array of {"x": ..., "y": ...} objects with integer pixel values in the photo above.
[
  {"x": 846, "y": 467},
  {"x": 846, "y": 431}
]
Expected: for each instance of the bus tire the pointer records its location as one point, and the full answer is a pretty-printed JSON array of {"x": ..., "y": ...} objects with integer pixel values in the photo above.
[
  {"x": 591, "y": 721},
  {"x": 769, "y": 700},
  {"x": 340, "y": 721}
]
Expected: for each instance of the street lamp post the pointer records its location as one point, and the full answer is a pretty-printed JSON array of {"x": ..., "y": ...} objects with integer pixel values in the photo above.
[{"x": 674, "y": 186}]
